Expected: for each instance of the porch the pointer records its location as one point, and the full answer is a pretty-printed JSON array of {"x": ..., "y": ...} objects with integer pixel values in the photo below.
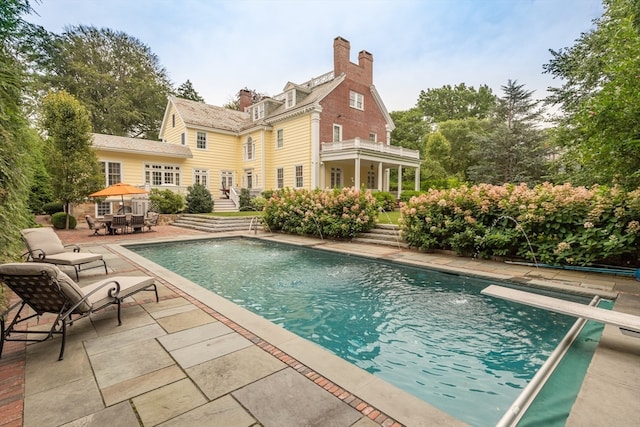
[{"x": 356, "y": 163}]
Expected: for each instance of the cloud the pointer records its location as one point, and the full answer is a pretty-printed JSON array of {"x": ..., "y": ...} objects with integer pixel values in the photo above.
[{"x": 222, "y": 46}]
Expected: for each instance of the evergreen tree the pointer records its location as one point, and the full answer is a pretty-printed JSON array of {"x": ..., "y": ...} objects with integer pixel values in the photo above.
[
  {"x": 186, "y": 91},
  {"x": 513, "y": 150}
]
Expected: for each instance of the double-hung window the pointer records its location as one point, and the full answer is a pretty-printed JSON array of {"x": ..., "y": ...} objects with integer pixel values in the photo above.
[
  {"x": 112, "y": 172},
  {"x": 299, "y": 176},
  {"x": 336, "y": 177},
  {"x": 258, "y": 112},
  {"x": 373, "y": 137},
  {"x": 249, "y": 149},
  {"x": 280, "y": 178},
  {"x": 356, "y": 100},
  {"x": 158, "y": 174},
  {"x": 280, "y": 138},
  {"x": 290, "y": 98},
  {"x": 201, "y": 140}
]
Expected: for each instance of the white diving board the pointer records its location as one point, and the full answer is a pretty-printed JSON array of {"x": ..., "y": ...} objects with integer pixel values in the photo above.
[{"x": 628, "y": 323}]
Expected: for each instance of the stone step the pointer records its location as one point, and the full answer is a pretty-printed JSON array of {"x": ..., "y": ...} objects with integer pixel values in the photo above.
[{"x": 215, "y": 224}]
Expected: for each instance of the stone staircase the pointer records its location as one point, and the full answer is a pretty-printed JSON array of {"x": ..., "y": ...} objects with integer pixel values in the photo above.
[
  {"x": 382, "y": 234},
  {"x": 224, "y": 205},
  {"x": 216, "y": 224}
]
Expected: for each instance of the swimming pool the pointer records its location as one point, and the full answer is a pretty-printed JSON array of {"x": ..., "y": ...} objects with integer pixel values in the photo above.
[{"x": 429, "y": 333}]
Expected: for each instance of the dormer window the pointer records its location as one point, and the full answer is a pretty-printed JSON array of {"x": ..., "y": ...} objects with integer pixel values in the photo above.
[
  {"x": 356, "y": 100},
  {"x": 258, "y": 112},
  {"x": 290, "y": 99}
]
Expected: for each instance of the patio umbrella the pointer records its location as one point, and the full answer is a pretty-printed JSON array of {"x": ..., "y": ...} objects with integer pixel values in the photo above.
[{"x": 119, "y": 189}]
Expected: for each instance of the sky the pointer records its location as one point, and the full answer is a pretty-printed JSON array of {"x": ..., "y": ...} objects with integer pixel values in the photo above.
[{"x": 223, "y": 46}]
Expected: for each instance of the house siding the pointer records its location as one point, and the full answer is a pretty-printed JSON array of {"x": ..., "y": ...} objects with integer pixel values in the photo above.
[{"x": 296, "y": 151}]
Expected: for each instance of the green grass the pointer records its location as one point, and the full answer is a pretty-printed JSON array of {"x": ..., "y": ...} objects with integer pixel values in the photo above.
[{"x": 389, "y": 217}]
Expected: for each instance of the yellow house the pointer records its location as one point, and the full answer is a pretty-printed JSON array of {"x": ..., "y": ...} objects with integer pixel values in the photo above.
[{"x": 331, "y": 131}]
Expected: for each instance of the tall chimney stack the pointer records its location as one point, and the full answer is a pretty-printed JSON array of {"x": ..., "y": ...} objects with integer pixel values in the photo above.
[
  {"x": 245, "y": 99},
  {"x": 341, "y": 52}
]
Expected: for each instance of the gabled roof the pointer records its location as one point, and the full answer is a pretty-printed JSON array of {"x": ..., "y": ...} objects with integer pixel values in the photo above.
[
  {"x": 199, "y": 114},
  {"x": 139, "y": 146}
]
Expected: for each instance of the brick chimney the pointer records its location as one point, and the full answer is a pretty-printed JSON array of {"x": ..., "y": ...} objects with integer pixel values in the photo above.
[
  {"x": 341, "y": 52},
  {"x": 365, "y": 61},
  {"x": 244, "y": 98}
]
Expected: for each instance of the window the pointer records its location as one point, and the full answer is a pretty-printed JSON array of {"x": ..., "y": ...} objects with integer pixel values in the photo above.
[
  {"x": 258, "y": 112},
  {"x": 112, "y": 172},
  {"x": 155, "y": 174},
  {"x": 299, "y": 177},
  {"x": 336, "y": 177},
  {"x": 249, "y": 149},
  {"x": 337, "y": 133},
  {"x": 103, "y": 208},
  {"x": 226, "y": 179},
  {"x": 201, "y": 140},
  {"x": 290, "y": 98},
  {"x": 280, "y": 178},
  {"x": 371, "y": 179},
  {"x": 183, "y": 138},
  {"x": 280, "y": 138},
  {"x": 356, "y": 100},
  {"x": 248, "y": 178},
  {"x": 201, "y": 176},
  {"x": 373, "y": 137}
]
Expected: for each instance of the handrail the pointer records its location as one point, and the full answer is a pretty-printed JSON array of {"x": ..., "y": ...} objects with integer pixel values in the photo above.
[
  {"x": 234, "y": 196},
  {"x": 357, "y": 143}
]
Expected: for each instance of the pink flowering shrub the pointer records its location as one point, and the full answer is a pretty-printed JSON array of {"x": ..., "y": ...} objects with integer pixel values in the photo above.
[
  {"x": 332, "y": 213},
  {"x": 564, "y": 224}
]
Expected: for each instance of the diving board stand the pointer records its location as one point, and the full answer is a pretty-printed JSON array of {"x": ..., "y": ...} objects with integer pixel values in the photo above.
[{"x": 628, "y": 323}]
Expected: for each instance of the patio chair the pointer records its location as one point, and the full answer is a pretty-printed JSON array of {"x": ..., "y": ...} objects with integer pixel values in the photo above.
[
  {"x": 137, "y": 222},
  {"x": 46, "y": 289},
  {"x": 119, "y": 222},
  {"x": 43, "y": 245},
  {"x": 95, "y": 226},
  {"x": 151, "y": 220}
]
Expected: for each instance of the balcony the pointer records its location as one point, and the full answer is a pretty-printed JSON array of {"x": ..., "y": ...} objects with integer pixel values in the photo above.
[{"x": 329, "y": 148}]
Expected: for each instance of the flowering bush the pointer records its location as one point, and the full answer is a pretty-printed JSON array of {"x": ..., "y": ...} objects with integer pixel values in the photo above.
[
  {"x": 332, "y": 213},
  {"x": 561, "y": 224}
]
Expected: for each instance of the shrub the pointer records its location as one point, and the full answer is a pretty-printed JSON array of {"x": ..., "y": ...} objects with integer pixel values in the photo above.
[
  {"x": 558, "y": 224},
  {"x": 333, "y": 213},
  {"x": 59, "y": 221},
  {"x": 165, "y": 201},
  {"x": 406, "y": 195},
  {"x": 53, "y": 207},
  {"x": 199, "y": 199},
  {"x": 258, "y": 203},
  {"x": 386, "y": 201},
  {"x": 244, "y": 199}
]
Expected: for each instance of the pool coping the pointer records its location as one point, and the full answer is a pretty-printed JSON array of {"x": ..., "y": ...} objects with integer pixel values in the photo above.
[{"x": 394, "y": 402}]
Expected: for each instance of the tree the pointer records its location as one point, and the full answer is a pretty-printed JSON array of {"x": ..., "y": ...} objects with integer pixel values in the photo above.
[
  {"x": 513, "y": 150},
  {"x": 186, "y": 91},
  {"x": 16, "y": 142},
  {"x": 599, "y": 131},
  {"x": 458, "y": 102},
  {"x": 436, "y": 158},
  {"x": 411, "y": 127},
  {"x": 463, "y": 136},
  {"x": 117, "y": 78},
  {"x": 72, "y": 163}
]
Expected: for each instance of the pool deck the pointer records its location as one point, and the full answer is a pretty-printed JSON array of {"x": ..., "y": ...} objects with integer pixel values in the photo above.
[{"x": 197, "y": 359}]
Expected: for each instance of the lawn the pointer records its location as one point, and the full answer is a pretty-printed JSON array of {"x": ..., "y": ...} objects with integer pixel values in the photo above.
[{"x": 389, "y": 217}]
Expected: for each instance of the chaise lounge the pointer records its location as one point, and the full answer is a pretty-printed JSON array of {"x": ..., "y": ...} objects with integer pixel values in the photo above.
[
  {"x": 46, "y": 289},
  {"x": 43, "y": 245}
]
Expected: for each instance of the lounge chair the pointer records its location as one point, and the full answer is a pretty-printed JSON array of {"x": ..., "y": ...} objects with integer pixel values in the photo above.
[
  {"x": 95, "y": 226},
  {"x": 46, "y": 289},
  {"x": 151, "y": 220},
  {"x": 43, "y": 245}
]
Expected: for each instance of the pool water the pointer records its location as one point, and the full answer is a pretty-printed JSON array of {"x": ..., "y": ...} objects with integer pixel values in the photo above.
[{"x": 429, "y": 333}]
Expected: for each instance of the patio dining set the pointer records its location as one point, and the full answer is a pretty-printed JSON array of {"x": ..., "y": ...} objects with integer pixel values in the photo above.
[{"x": 122, "y": 224}]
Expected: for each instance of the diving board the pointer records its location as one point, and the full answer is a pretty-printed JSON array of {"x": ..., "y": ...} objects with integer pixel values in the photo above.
[{"x": 628, "y": 323}]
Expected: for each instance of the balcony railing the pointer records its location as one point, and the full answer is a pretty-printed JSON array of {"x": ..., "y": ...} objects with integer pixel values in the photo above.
[{"x": 357, "y": 143}]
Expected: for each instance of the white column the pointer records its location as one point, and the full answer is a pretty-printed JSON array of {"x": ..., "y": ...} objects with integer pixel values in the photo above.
[
  {"x": 417, "y": 185},
  {"x": 357, "y": 174},
  {"x": 315, "y": 149},
  {"x": 380, "y": 176},
  {"x": 399, "y": 180},
  {"x": 387, "y": 178}
]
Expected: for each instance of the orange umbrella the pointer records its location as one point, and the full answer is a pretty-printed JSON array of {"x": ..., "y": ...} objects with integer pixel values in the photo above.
[{"x": 119, "y": 189}]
